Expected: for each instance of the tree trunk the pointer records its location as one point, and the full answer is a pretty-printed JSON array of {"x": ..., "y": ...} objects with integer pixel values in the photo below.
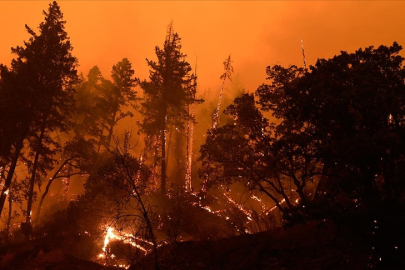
[
  {"x": 155, "y": 162},
  {"x": 169, "y": 144},
  {"x": 10, "y": 174},
  {"x": 48, "y": 186},
  {"x": 33, "y": 174},
  {"x": 111, "y": 128},
  {"x": 190, "y": 134},
  {"x": 10, "y": 211},
  {"x": 163, "y": 141},
  {"x": 163, "y": 163},
  {"x": 101, "y": 140}
]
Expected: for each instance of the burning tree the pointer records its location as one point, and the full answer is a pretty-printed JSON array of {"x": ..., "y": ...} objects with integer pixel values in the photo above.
[
  {"x": 336, "y": 147},
  {"x": 245, "y": 152},
  {"x": 125, "y": 179},
  {"x": 190, "y": 134},
  {"x": 166, "y": 96},
  {"x": 228, "y": 71}
]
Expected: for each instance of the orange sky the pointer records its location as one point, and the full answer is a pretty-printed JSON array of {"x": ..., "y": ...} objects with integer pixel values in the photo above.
[{"x": 257, "y": 34}]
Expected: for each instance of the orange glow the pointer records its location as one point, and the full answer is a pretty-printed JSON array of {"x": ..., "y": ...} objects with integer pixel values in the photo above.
[
  {"x": 257, "y": 34},
  {"x": 124, "y": 237},
  {"x": 189, "y": 154}
]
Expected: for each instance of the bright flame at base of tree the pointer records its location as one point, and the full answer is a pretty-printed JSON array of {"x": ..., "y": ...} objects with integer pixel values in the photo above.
[
  {"x": 190, "y": 150},
  {"x": 126, "y": 238}
]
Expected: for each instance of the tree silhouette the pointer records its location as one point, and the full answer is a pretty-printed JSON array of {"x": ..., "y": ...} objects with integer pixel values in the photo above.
[
  {"x": 45, "y": 72},
  {"x": 247, "y": 151},
  {"x": 91, "y": 107},
  {"x": 351, "y": 107},
  {"x": 350, "y": 111},
  {"x": 122, "y": 94},
  {"x": 167, "y": 94},
  {"x": 339, "y": 127}
]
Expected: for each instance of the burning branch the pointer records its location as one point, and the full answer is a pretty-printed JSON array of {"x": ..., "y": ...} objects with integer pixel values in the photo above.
[
  {"x": 228, "y": 70},
  {"x": 55, "y": 176},
  {"x": 227, "y": 75},
  {"x": 126, "y": 238},
  {"x": 129, "y": 180}
]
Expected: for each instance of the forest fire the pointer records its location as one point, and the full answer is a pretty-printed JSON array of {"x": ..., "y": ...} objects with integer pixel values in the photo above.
[
  {"x": 145, "y": 170},
  {"x": 239, "y": 206},
  {"x": 274, "y": 207},
  {"x": 189, "y": 155},
  {"x": 112, "y": 234}
]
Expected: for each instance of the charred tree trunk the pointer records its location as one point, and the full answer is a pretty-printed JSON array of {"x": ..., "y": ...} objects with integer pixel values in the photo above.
[
  {"x": 55, "y": 176},
  {"x": 169, "y": 144},
  {"x": 33, "y": 175},
  {"x": 189, "y": 157},
  {"x": 102, "y": 139},
  {"x": 155, "y": 162},
  {"x": 228, "y": 70},
  {"x": 142, "y": 206},
  {"x": 10, "y": 211},
  {"x": 10, "y": 174},
  {"x": 163, "y": 161},
  {"x": 111, "y": 128}
]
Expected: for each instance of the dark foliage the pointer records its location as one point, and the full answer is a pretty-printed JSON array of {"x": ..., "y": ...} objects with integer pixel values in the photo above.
[{"x": 338, "y": 140}]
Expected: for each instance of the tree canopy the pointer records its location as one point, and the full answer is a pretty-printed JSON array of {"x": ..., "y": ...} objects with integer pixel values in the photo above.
[
  {"x": 339, "y": 127},
  {"x": 44, "y": 73},
  {"x": 167, "y": 94}
]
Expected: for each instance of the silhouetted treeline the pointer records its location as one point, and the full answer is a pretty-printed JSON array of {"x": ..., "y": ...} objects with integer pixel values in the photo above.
[
  {"x": 325, "y": 143},
  {"x": 337, "y": 149}
]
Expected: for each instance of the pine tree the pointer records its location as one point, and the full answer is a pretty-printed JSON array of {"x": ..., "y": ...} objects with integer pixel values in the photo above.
[
  {"x": 167, "y": 94},
  {"x": 45, "y": 72},
  {"x": 122, "y": 94}
]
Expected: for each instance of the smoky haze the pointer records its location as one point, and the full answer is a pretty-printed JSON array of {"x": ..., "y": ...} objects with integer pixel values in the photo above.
[
  {"x": 304, "y": 170},
  {"x": 257, "y": 34}
]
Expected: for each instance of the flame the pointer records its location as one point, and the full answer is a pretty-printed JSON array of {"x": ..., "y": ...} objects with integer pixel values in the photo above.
[
  {"x": 227, "y": 65},
  {"x": 66, "y": 180},
  {"x": 254, "y": 197},
  {"x": 228, "y": 70},
  {"x": 126, "y": 238},
  {"x": 154, "y": 169},
  {"x": 274, "y": 207},
  {"x": 190, "y": 150},
  {"x": 138, "y": 173},
  {"x": 239, "y": 206}
]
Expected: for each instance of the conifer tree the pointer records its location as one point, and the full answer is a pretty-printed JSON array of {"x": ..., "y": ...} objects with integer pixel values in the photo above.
[
  {"x": 44, "y": 78},
  {"x": 166, "y": 94}
]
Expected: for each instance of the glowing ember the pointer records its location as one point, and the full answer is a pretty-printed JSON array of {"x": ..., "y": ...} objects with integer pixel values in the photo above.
[
  {"x": 125, "y": 238},
  {"x": 227, "y": 74},
  {"x": 138, "y": 173},
  {"x": 228, "y": 70},
  {"x": 274, "y": 207},
  {"x": 190, "y": 150},
  {"x": 239, "y": 206}
]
